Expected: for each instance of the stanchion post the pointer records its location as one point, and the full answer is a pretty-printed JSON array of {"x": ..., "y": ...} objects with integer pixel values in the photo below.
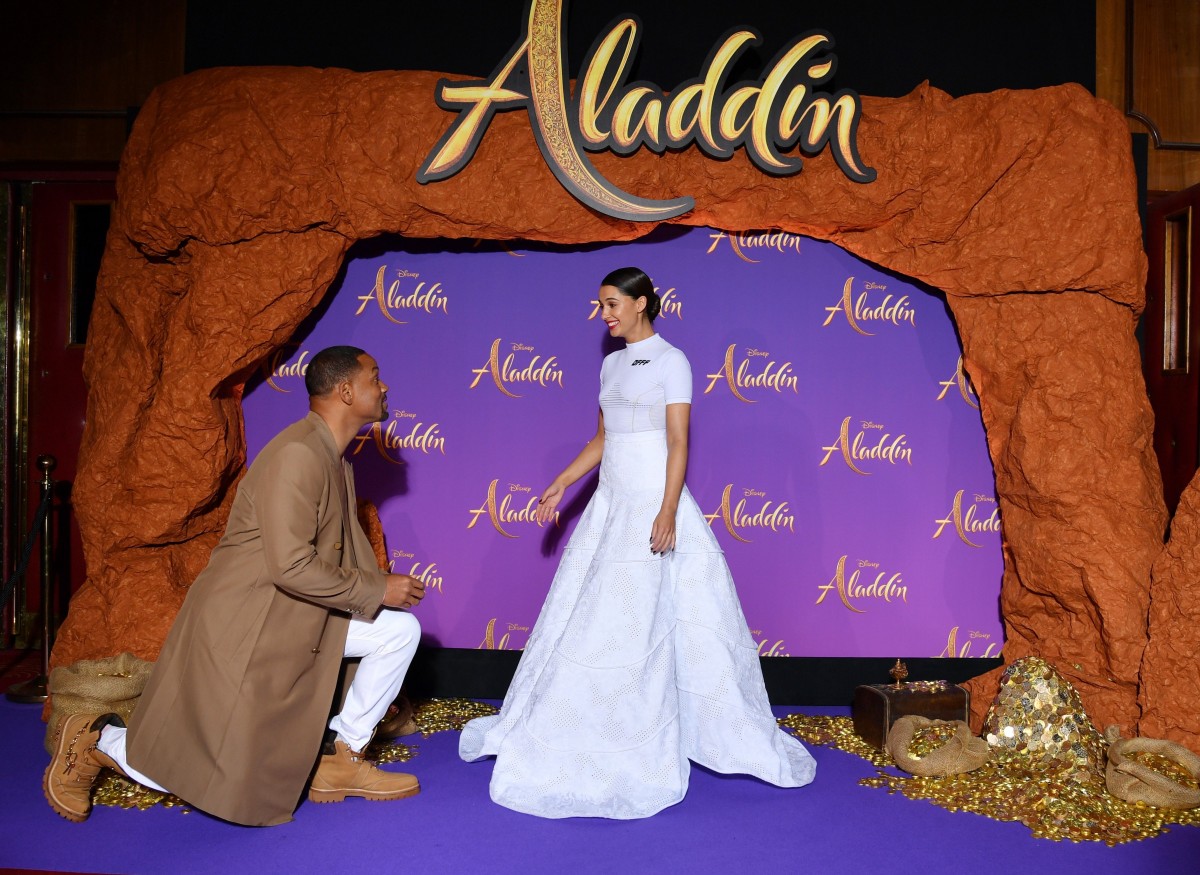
[{"x": 37, "y": 689}]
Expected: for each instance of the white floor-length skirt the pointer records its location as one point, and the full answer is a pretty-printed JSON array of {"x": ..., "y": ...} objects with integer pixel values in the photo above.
[{"x": 637, "y": 664}]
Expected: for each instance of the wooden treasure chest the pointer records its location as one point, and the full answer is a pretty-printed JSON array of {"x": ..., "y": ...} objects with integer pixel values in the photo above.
[{"x": 877, "y": 706}]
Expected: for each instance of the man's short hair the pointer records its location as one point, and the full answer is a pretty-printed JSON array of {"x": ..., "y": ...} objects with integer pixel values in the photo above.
[{"x": 329, "y": 367}]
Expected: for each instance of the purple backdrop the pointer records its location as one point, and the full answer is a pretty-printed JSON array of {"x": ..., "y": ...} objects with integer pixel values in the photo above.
[{"x": 835, "y": 443}]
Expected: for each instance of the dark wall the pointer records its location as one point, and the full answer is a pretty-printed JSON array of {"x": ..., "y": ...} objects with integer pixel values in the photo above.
[{"x": 883, "y": 48}]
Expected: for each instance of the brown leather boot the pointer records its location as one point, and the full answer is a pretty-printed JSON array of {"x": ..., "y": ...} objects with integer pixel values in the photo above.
[
  {"x": 74, "y": 765},
  {"x": 347, "y": 773}
]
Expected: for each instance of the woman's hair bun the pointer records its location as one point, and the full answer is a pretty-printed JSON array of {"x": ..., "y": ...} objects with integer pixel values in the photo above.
[{"x": 634, "y": 283}]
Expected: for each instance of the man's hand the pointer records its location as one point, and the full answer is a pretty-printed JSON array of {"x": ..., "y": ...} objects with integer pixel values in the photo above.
[{"x": 403, "y": 591}]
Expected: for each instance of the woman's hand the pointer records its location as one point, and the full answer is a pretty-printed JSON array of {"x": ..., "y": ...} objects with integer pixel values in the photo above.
[
  {"x": 548, "y": 503},
  {"x": 662, "y": 533}
]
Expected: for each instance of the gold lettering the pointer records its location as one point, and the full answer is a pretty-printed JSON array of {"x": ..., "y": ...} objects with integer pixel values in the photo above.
[
  {"x": 780, "y": 241},
  {"x": 489, "y": 508},
  {"x": 779, "y": 648},
  {"x": 773, "y": 376},
  {"x": 508, "y": 371},
  {"x": 734, "y": 243},
  {"x": 591, "y": 104},
  {"x": 964, "y": 523},
  {"x": 887, "y": 311},
  {"x": 884, "y": 587},
  {"x": 669, "y": 304},
  {"x": 959, "y": 379},
  {"x": 550, "y": 104},
  {"x": 727, "y": 373},
  {"x": 423, "y": 297},
  {"x": 857, "y": 310},
  {"x": 457, "y": 146},
  {"x": 846, "y": 307},
  {"x": 492, "y": 367},
  {"x": 886, "y": 448},
  {"x": 386, "y": 441},
  {"x": 726, "y": 515},
  {"x": 763, "y": 137},
  {"x": 839, "y": 583},
  {"x": 379, "y": 295},
  {"x": 274, "y": 367},
  {"x": 626, "y": 130},
  {"x": 952, "y": 650},
  {"x": 489, "y": 638},
  {"x": 842, "y": 443},
  {"x": 769, "y": 516},
  {"x": 506, "y": 511},
  {"x": 427, "y": 574},
  {"x": 764, "y": 517},
  {"x": 608, "y": 114},
  {"x": 733, "y": 123}
]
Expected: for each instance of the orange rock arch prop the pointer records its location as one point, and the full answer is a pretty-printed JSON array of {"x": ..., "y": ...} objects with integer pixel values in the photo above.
[{"x": 241, "y": 190}]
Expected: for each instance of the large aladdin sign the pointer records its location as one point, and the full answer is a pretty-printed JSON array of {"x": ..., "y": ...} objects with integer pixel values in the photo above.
[{"x": 768, "y": 118}]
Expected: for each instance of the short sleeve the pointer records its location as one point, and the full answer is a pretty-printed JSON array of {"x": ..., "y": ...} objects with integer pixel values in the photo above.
[
  {"x": 677, "y": 379},
  {"x": 605, "y": 367}
]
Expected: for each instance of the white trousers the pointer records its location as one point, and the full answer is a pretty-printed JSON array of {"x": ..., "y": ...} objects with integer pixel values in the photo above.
[{"x": 386, "y": 645}]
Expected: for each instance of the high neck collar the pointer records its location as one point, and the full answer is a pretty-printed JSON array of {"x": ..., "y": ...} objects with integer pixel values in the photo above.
[{"x": 631, "y": 344}]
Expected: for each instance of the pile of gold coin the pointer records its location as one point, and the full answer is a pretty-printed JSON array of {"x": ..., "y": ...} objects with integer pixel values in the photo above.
[
  {"x": 433, "y": 715},
  {"x": 1046, "y": 770},
  {"x": 442, "y": 715},
  {"x": 929, "y": 738}
]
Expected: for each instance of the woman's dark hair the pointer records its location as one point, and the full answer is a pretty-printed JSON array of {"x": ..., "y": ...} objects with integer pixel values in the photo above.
[
  {"x": 329, "y": 367},
  {"x": 633, "y": 283}
]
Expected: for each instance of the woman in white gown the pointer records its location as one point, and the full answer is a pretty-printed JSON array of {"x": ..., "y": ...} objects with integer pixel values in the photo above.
[{"x": 640, "y": 659}]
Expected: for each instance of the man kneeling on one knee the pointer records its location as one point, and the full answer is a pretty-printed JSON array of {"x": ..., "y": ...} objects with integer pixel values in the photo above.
[{"x": 233, "y": 716}]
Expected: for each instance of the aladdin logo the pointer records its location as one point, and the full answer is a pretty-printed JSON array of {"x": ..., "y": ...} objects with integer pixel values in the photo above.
[
  {"x": 747, "y": 376},
  {"x": 507, "y": 510},
  {"x": 865, "y": 447},
  {"x": 780, "y": 241},
  {"x": 883, "y": 586},
  {"x": 766, "y": 515},
  {"x": 970, "y": 522},
  {"x": 952, "y": 649},
  {"x": 400, "y": 436},
  {"x": 766, "y": 647},
  {"x": 428, "y": 573},
  {"x": 427, "y": 299},
  {"x": 489, "y": 637},
  {"x": 963, "y": 382},
  {"x": 542, "y": 373},
  {"x": 858, "y": 310},
  {"x": 276, "y": 367},
  {"x": 668, "y": 301},
  {"x": 766, "y": 118}
]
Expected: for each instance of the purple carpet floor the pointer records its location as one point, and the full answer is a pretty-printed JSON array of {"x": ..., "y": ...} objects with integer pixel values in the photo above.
[{"x": 726, "y": 824}]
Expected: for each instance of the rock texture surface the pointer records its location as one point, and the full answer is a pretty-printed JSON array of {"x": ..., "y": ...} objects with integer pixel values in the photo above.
[
  {"x": 1170, "y": 691},
  {"x": 241, "y": 190}
]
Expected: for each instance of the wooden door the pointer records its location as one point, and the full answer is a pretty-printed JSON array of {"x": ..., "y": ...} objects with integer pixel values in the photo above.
[
  {"x": 62, "y": 228},
  {"x": 1171, "y": 352}
]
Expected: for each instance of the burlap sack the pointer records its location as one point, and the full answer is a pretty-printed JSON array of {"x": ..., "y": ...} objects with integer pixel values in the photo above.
[
  {"x": 95, "y": 686},
  {"x": 398, "y": 721},
  {"x": 1134, "y": 782},
  {"x": 963, "y": 752}
]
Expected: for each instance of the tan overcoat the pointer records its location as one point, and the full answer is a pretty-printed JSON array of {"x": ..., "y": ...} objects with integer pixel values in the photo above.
[{"x": 232, "y": 717}]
